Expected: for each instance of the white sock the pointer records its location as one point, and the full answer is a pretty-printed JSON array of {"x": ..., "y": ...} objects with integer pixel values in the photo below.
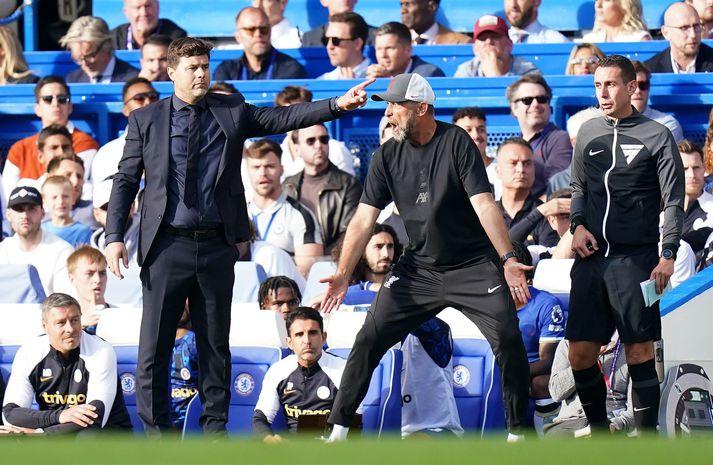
[
  {"x": 515, "y": 437},
  {"x": 339, "y": 433}
]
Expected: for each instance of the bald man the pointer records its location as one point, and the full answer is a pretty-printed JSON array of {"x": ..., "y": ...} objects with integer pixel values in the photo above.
[{"x": 685, "y": 54}]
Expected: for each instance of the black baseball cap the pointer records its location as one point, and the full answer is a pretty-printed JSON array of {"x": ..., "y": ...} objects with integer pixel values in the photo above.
[{"x": 24, "y": 195}]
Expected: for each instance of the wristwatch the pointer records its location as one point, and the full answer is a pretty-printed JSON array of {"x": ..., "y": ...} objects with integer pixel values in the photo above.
[
  {"x": 573, "y": 225},
  {"x": 507, "y": 257},
  {"x": 667, "y": 254}
]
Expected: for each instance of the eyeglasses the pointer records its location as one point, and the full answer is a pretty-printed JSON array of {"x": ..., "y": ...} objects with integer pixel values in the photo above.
[
  {"x": 688, "y": 27},
  {"x": 264, "y": 30},
  {"x": 322, "y": 140},
  {"x": 61, "y": 99},
  {"x": 143, "y": 96},
  {"x": 643, "y": 85},
  {"x": 528, "y": 100},
  {"x": 91, "y": 56},
  {"x": 584, "y": 61},
  {"x": 335, "y": 40}
]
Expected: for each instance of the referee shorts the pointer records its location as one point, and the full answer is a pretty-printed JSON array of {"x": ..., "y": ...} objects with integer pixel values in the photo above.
[{"x": 606, "y": 295}]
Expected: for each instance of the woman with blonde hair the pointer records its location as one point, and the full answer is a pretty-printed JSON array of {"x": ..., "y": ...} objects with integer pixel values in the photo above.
[
  {"x": 13, "y": 67},
  {"x": 618, "y": 21},
  {"x": 583, "y": 59}
]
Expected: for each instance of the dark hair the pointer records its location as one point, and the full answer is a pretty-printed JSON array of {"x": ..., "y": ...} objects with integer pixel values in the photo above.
[
  {"x": 564, "y": 193},
  {"x": 688, "y": 146},
  {"x": 468, "y": 112},
  {"x": 52, "y": 130},
  {"x": 523, "y": 256},
  {"x": 532, "y": 78},
  {"x": 51, "y": 79},
  {"x": 55, "y": 162},
  {"x": 401, "y": 32},
  {"x": 220, "y": 86},
  {"x": 187, "y": 47},
  {"x": 132, "y": 82},
  {"x": 358, "y": 29},
  {"x": 272, "y": 284},
  {"x": 262, "y": 147},
  {"x": 628, "y": 73},
  {"x": 292, "y": 94},
  {"x": 640, "y": 67},
  {"x": 515, "y": 140},
  {"x": 362, "y": 268},
  {"x": 157, "y": 39},
  {"x": 58, "y": 300},
  {"x": 304, "y": 313}
]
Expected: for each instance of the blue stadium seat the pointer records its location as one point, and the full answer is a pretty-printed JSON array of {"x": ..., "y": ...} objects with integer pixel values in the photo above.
[
  {"x": 21, "y": 285},
  {"x": 248, "y": 277},
  {"x": 476, "y": 386},
  {"x": 7, "y": 355},
  {"x": 382, "y": 404},
  {"x": 126, "y": 359},
  {"x": 313, "y": 287}
]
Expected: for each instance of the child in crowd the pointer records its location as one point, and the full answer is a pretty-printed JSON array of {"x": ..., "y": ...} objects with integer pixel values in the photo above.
[{"x": 57, "y": 195}]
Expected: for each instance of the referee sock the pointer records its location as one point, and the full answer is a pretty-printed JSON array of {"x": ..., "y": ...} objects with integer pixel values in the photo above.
[
  {"x": 646, "y": 395},
  {"x": 592, "y": 394},
  {"x": 339, "y": 433}
]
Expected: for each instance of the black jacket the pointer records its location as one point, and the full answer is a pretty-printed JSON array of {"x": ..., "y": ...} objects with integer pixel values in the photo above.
[
  {"x": 661, "y": 62},
  {"x": 282, "y": 67},
  {"x": 122, "y": 73},
  {"x": 166, "y": 27}
]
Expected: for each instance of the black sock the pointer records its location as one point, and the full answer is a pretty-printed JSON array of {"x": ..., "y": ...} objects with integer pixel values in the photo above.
[
  {"x": 592, "y": 394},
  {"x": 646, "y": 395}
]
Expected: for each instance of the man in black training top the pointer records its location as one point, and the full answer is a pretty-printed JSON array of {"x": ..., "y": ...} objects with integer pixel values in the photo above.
[
  {"x": 458, "y": 249},
  {"x": 626, "y": 169}
]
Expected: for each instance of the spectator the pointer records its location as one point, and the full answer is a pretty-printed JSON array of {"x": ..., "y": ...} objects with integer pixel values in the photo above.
[
  {"x": 70, "y": 374},
  {"x": 57, "y": 196},
  {"x": 13, "y": 67},
  {"x": 708, "y": 155},
  {"x": 640, "y": 101},
  {"x": 87, "y": 273},
  {"x": 685, "y": 54},
  {"x": 529, "y": 99},
  {"x": 524, "y": 26},
  {"x": 283, "y": 34},
  {"x": 304, "y": 383},
  {"x": 331, "y": 194},
  {"x": 313, "y": 37},
  {"x": 91, "y": 47},
  {"x": 516, "y": 170},
  {"x": 698, "y": 204},
  {"x": 292, "y": 163},
  {"x": 420, "y": 17},
  {"x": 52, "y": 142},
  {"x": 154, "y": 58},
  {"x": 143, "y": 22},
  {"x": 102, "y": 191},
  {"x": 345, "y": 39},
  {"x": 394, "y": 54},
  {"x": 53, "y": 106},
  {"x": 583, "y": 59},
  {"x": 278, "y": 219},
  {"x": 472, "y": 120},
  {"x": 71, "y": 167},
  {"x": 184, "y": 370},
  {"x": 260, "y": 59},
  {"x": 31, "y": 245},
  {"x": 493, "y": 52},
  {"x": 559, "y": 222},
  {"x": 224, "y": 88},
  {"x": 705, "y": 12},
  {"x": 137, "y": 93},
  {"x": 279, "y": 293},
  {"x": 542, "y": 322},
  {"x": 618, "y": 21}
]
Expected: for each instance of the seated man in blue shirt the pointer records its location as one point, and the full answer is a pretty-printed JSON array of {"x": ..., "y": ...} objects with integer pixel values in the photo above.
[{"x": 184, "y": 369}]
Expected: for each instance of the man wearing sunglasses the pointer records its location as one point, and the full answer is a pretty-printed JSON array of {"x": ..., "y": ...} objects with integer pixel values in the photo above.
[
  {"x": 136, "y": 93},
  {"x": 260, "y": 59},
  {"x": 640, "y": 101},
  {"x": 313, "y": 37},
  {"x": 53, "y": 106},
  {"x": 345, "y": 39},
  {"x": 685, "y": 54},
  {"x": 529, "y": 99}
]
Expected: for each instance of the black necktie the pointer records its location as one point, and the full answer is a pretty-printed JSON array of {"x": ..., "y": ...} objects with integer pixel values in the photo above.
[
  {"x": 190, "y": 188},
  {"x": 420, "y": 40}
]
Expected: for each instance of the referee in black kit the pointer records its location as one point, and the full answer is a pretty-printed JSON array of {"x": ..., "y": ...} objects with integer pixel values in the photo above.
[
  {"x": 625, "y": 170},
  {"x": 458, "y": 249}
]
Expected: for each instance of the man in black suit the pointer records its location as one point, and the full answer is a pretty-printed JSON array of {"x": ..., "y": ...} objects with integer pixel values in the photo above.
[
  {"x": 686, "y": 54},
  {"x": 90, "y": 44},
  {"x": 194, "y": 220}
]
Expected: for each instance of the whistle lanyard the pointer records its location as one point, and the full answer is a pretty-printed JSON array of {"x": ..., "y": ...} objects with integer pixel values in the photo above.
[
  {"x": 609, "y": 380},
  {"x": 263, "y": 237}
]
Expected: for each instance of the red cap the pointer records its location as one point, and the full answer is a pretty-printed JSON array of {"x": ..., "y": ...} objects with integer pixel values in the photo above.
[{"x": 490, "y": 23}]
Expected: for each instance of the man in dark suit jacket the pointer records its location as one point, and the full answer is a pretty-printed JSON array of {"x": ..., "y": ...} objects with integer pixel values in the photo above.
[
  {"x": 682, "y": 29},
  {"x": 394, "y": 54},
  {"x": 194, "y": 220},
  {"x": 90, "y": 44}
]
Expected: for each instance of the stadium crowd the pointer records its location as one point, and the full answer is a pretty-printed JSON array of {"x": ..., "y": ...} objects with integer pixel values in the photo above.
[{"x": 302, "y": 193}]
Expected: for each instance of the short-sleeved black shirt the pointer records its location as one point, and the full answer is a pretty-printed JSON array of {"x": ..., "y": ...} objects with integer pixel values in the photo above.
[{"x": 431, "y": 186}]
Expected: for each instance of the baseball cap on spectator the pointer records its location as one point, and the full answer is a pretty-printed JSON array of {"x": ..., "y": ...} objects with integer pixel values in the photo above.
[
  {"x": 490, "y": 23},
  {"x": 24, "y": 195},
  {"x": 102, "y": 192},
  {"x": 407, "y": 87}
]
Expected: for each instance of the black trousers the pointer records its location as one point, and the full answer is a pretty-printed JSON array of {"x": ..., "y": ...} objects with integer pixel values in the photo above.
[
  {"x": 411, "y": 296},
  {"x": 177, "y": 268}
]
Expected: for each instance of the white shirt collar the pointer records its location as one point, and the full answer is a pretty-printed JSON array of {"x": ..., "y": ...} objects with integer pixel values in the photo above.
[
  {"x": 690, "y": 69},
  {"x": 429, "y": 34},
  {"x": 106, "y": 74}
]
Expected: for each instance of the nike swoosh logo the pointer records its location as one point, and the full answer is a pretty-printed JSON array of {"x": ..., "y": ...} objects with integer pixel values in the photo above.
[
  {"x": 641, "y": 409},
  {"x": 492, "y": 289},
  {"x": 285, "y": 391},
  {"x": 42, "y": 380},
  {"x": 591, "y": 153}
]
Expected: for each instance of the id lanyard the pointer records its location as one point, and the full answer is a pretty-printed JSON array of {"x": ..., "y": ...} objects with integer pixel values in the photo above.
[
  {"x": 609, "y": 380},
  {"x": 268, "y": 75},
  {"x": 269, "y": 224}
]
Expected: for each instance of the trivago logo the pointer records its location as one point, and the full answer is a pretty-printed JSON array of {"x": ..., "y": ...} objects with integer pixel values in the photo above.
[{"x": 66, "y": 399}]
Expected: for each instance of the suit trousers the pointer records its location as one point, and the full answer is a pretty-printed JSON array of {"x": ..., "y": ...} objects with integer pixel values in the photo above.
[
  {"x": 202, "y": 271},
  {"x": 411, "y": 296}
]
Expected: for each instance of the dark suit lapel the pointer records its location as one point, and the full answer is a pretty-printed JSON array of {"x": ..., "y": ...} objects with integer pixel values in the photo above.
[
  {"x": 163, "y": 136},
  {"x": 221, "y": 113}
]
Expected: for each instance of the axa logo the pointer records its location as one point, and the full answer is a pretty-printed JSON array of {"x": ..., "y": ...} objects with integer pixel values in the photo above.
[{"x": 630, "y": 151}]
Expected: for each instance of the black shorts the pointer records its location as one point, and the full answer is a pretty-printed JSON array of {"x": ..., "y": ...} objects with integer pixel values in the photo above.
[{"x": 606, "y": 295}]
